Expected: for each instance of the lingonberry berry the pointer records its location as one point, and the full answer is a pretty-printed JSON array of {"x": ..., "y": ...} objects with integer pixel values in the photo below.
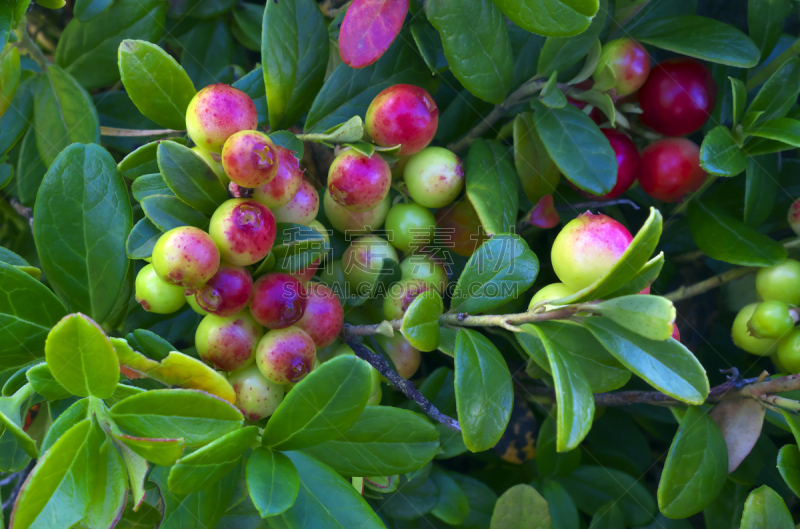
[
  {"x": 789, "y": 352},
  {"x": 156, "y": 295},
  {"x": 401, "y": 295},
  {"x": 359, "y": 182},
  {"x": 670, "y": 168},
  {"x": 587, "y": 248},
  {"x": 771, "y": 319},
  {"x": 227, "y": 293},
  {"x": 216, "y": 113},
  {"x": 185, "y": 256},
  {"x": 190, "y": 299},
  {"x": 405, "y": 357},
  {"x": 780, "y": 282},
  {"x": 279, "y": 300},
  {"x": 461, "y": 228},
  {"x": 228, "y": 343},
  {"x": 434, "y": 176},
  {"x": 324, "y": 315},
  {"x": 677, "y": 97},
  {"x": 355, "y": 222},
  {"x": 628, "y": 160},
  {"x": 427, "y": 268},
  {"x": 410, "y": 227},
  {"x": 404, "y": 115},
  {"x": 794, "y": 217},
  {"x": 744, "y": 340},
  {"x": 302, "y": 208},
  {"x": 244, "y": 230},
  {"x": 623, "y": 66},
  {"x": 362, "y": 262},
  {"x": 279, "y": 191},
  {"x": 286, "y": 355},
  {"x": 250, "y": 158},
  {"x": 256, "y": 397}
]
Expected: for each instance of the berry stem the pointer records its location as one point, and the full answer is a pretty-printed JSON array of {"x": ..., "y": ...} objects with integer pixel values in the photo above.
[
  {"x": 111, "y": 131},
  {"x": 689, "y": 291}
]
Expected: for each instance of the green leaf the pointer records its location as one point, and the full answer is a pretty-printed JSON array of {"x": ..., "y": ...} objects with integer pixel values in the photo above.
[
  {"x": 30, "y": 169},
  {"x": 727, "y": 239},
  {"x": 155, "y": 82},
  {"x": 109, "y": 488},
  {"x": 701, "y": 38},
  {"x": 12, "y": 417},
  {"x": 537, "y": 172},
  {"x": 429, "y": 43},
  {"x": 789, "y": 467},
  {"x": 207, "y": 50},
  {"x": 82, "y": 358},
  {"x": 167, "y": 212},
  {"x": 136, "y": 468},
  {"x": 60, "y": 486},
  {"x": 81, "y": 220},
  {"x": 476, "y": 44},
  {"x": 551, "y": 18},
  {"x": 294, "y": 57},
  {"x": 765, "y": 21},
  {"x": 9, "y": 77},
  {"x": 325, "y": 499},
  {"x": 784, "y": 130},
  {"x": 63, "y": 113},
  {"x": 521, "y": 507},
  {"x": 592, "y": 487},
  {"x": 549, "y": 462},
  {"x": 88, "y": 50},
  {"x": 577, "y": 147},
  {"x": 160, "y": 451},
  {"x": 384, "y": 441},
  {"x": 28, "y": 310},
  {"x": 148, "y": 185},
  {"x": 12, "y": 457},
  {"x": 483, "y": 390},
  {"x": 321, "y": 406},
  {"x": 190, "y": 178},
  {"x": 86, "y": 10},
  {"x": 609, "y": 516},
  {"x": 667, "y": 365},
  {"x": 696, "y": 466},
  {"x": 421, "y": 321},
  {"x": 649, "y": 316},
  {"x": 140, "y": 162},
  {"x": 75, "y": 413},
  {"x": 252, "y": 84},
  {"x": 452, "y": 505},
  {"x": 551, "y": 95},
  {"x": 720, "y": 154},
  {"x": 211, "y": 463},
  {"x": 14, "y": 122},
  {"x": 247, "y": 25},
  {"x": 776, "y": 96},
  {"x": 764, "y": 509},
  {"x": 762, "y": 181},
  {"x": 502, "y": 268},
  {"x": 45, "y": 384},
  {"x": 492, "y": 186},
  {"x": 195, "y": 416},
  {"x": 142, "y": 240},
  {"x": 272, "y": 481},
  {"x": 739, "y": 100},
  {"x": 560, "y": 54}
]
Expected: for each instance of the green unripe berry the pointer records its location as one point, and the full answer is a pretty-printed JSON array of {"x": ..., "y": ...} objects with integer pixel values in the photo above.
[
  {"x": 156, "y": 295},
  {"x": 186, "y": 256},
  {"x": 780, "y": 282},
  {"x": 550, "y": 292},
  {"x": 742, "y": 338},
  {"x": 427, "y": 268},
  {"x": 789, "y": 352},
  {"x": 192, "y": 301},
  {"x": 771, "y": 319},
  {"x": 411, "y": 227},
  {"x": 355, "y": 222},
  {"x": 362, "y": 262},
  {"x": 256, "y": 397},
  {"x": 434, "y": 176}
]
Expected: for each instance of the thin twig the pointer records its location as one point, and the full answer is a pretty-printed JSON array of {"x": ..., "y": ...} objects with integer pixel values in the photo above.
[
  {"x": 598, "y": 204},
  {"x": 711, "y": 283},
  {"x": 111, "y": 131}
]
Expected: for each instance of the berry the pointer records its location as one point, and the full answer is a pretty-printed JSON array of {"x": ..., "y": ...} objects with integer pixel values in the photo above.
[
  {"x": 155, "y": 294},
  {"x": 789, "y": 352},
  {"x": 279, "y": 300},
  {"x": 323, "y": 317},
  {"x": 228, "y": 343},
  {"x": 460, "y": 228},
  {"x": 623, "y": 66},
  {"x": 302, "y": 208},
  {"x": 427, "y": 268},
  {"x": 279, "y": 191},
  {"x": 401, "y": 295},
  {"x": 359, "y": 182},
  {"x": 214, "y": 161},
  {"x": 216, "y": 113},
  {"x": 244, "y": 230},
  {"x": 587, "y": 248},
  {"x": 256, "y": 397},
  {"x": 675, "y": 332},
  {"x": 410, "y": 226},
  {"x": 780, "y": 282},
  {"x": 550, "y": 292},
  {"x": 362, "y": 262},
  {"x": 404, "y": 115},
  {"x": 185, "y": 256},
  {"x": 742, "y": 338},
  {"x": 628, "y": 160},
  {"x": 405, "y": 357},
  {"x": 227, "y": 293},
  {"x": 250, "y": 159},
  {"x": 355, "y": 222},
  {"x": 794, "y": 217},
  {"x": 434, "y": 176},
  {"x": 190, "y": 299},
  {"x": 677, "y": 97},
  {"x": 286, "y": 355},
  {"x": 771, "y": 319},
  {"x": 670, "y": 168}
]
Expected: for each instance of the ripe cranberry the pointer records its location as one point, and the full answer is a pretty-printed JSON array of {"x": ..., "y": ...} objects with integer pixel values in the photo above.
[
  {"x": 359, "y": 182},
  {"x": 216, "y": 113},
  {"x": 670, "y": 168},
  {"x": 630, "y": 63},
  {"x": 324, "y": 316},
  {"x": 227, "y": 293},
  {"x": 278, "y": 301},
  {"x": 279, "y": 191},
  {"x": 677, "y": 97},
  {"x": 244, "y": 230},
  {"x": 628, "y": 160},
  {"x": 404, "y": 115},
  {"x": 249, "y": 158}
]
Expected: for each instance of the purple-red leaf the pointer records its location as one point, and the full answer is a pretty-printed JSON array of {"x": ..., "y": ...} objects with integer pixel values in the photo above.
[{"x": 369, "y": 28}]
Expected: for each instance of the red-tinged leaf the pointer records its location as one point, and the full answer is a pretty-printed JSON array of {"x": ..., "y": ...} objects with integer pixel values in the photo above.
[
  {"x": 544, "y": 214},
  {"x": 740, "y": 422},
  {"x": 369, "y": 28}
]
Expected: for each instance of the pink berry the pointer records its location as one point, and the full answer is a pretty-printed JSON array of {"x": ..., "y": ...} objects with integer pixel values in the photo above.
[
  {"x": 227, "y": 293},
  {"x": 244, "y": 230},
  {"x": 404, "y": 115},
  {"x": 359, "y": 182},
  {"x": 216, "y": 113},
  {"x": 250, "y": 159},
  {"x": 629, "y": 62},
  {"x": 286, "y": 356},
  {"x": 302, "y": 208},
  {"x": 324, "y": 316},
  {"x": 670, "y": 168},
  {"x": 279, "y": 191},
  {"x": 185, "y": 256},
  {"x": 228, "y": 343},
  {"x": 279, "y": 300},
  {"x": 794, "y": 217}
]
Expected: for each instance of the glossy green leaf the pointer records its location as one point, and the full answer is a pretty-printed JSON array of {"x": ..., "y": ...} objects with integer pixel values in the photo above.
[
  {"x": 109, "y": 488},
  {"x": 252, "y": 84},
  {"x": 30, "y": 169},
  {"x": 69, "y": 417},
  {"x": 294, "y": 57},
  {"x": 560, "y": 54},
  {"x": 667, "y": 365},
  {"x": 12, "y": 419},
  {"x": 421, "y": 321},
  {"x": 142, "y": 240},
  {"x": 592, "y": 487},
  {"x": 167, "y": 212},
  {"x": 272, "y": 481},
  {"x": 140, "y": 161},
  {"x": 64, "y": 114},
  {"x": 727, "y": 239},
  {"x": 537, "y": 172},
  {"x": 764, "y": 509},
  {"x": 429, "y": 44},
  {"x": 148, "y": 185},
  {"x": 696, "y": 466},
  {"x": 9, "y": 77},
  {"x": 80, "y": 223},
  {"x": 762, "y": 181},
  {"x": 789, "y": 467},
  {"x": 28, "y": 310},
  {"x": 205, "y": 506},
  {"x": 720, "y": 154},
  {"x": 701, "y": 38},
  {"x": 324, "y": 500},
  {"x": 159, "y": 451},
  {"x": 86, "y": 10},
  {"x": 609, "y": 516},
  {"x": 492, "y": 186},
  {"x": 82, "y": 358},
  {"x": 45, "y": 384},
  {"x": 12, "y": 457},
  {"x": 502, "y": 268},
  {"x": 483, "y": 390},
  {"x": 211, "y": 463},
  {"x": 551, "y": 95},
  {"x": 207, "y": 50},
  {"x": 551, "y": 18},
  {"x": 246, "y": 29},
  {"x": 383, "y": 441},
  {"x": 649, "y": 316},
  {"x": 476, "y": 44},
  {"x": 452, "y": 505},
  {"x": 190, "y": 178},
  {"x": 549, "y": 462},
  {"x": 577, "y": 147},
  {"x": 777, "y": 95},
  {"x": 155, "y": 82},
  {"x": 783, "y": 130},
  {"x": 195, "y": 416},
  {"x": 136, "y": 468},
  {"x": 321, "y": 406},
  {"x": 765, "y": 21},
  {"x": 14, "y": 122},
  {"x": 563, "y": 512},
  {"x": 521, "y": 507},
  {"x": 739, "y": 99}
]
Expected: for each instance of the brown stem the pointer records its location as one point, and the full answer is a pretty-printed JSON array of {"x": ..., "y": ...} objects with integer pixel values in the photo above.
[
  {"x": 111, "y": 131},
  {"x": 689, "y": 291}
]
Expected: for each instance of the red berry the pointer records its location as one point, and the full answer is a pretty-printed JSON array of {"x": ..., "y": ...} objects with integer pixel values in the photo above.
[
  {"x": 278, "y": 301},
  {"x": 227, "y": 292},
  {"x": 627, "y": 164},
  {"x": 286, "y": 355},
  {"x": 244, "y": 230},
  {"x": 216, "y": 113},
  {"x": 670, "y": 168},
  {"x": 404, "y": 115},
  {"x": 794, "y": 217},
  {"x": 630, "y": 63},
  {"x": 228, "y": 343},
  {"x": 324, "y": 316},
  {"x": 185, "y": 256},
  {"x": 359, "y": 182},
  {"x": 249, "y": 158},
  {"x": 677, "y": 97},
  {"x": 279, "y": 191}
]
